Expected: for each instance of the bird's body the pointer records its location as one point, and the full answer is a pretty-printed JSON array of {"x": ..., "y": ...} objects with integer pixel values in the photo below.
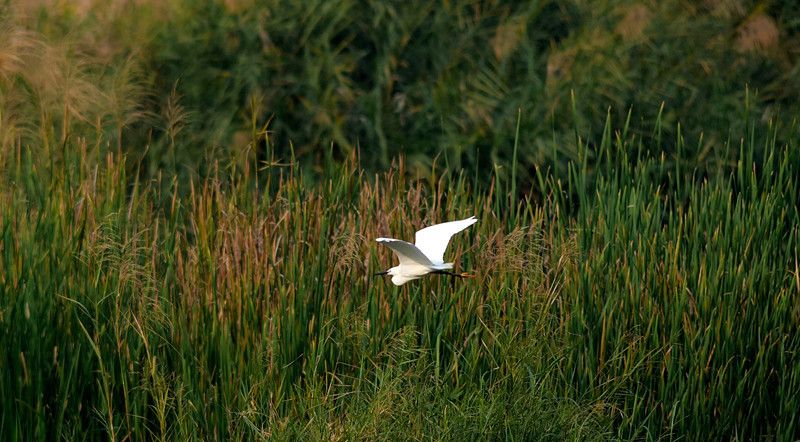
[{"x": 427, "y": 254}]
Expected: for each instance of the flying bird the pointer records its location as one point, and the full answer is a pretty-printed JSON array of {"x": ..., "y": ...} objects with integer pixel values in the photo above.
[{"x": 426, "y": 255}]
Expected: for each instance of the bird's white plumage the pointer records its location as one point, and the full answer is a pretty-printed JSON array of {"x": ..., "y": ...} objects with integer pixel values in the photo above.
[
  {"x": 407, "y": 253},
  {"x": 427, "y": 255},
  {"x": 433, "y": 240}
]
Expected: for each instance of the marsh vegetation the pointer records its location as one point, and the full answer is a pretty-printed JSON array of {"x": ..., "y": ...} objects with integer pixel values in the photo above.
[{"x": 189, "y": 196}]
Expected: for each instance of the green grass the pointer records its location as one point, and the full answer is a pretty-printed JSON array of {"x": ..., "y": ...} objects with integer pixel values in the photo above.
[
  {"x": 635, "y": 299},
  {"x": 186, "y": 247}
]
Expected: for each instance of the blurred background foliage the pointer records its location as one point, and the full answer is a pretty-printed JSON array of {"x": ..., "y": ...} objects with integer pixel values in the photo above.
[{"x": 431, "y": 80}]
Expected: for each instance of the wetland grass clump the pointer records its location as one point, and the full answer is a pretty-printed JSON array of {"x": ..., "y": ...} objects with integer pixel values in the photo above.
[
  {"x": 635, "y": 299},
  {"x": 173, "y": 269}
]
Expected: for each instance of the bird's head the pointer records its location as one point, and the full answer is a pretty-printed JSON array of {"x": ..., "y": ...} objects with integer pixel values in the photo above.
[
  {"x": 391, "y": 272},
  {"x": 397, "y": 277}
]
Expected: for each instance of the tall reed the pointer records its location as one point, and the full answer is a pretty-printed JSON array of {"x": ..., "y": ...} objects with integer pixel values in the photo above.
[{"x": 637, "y": 298}]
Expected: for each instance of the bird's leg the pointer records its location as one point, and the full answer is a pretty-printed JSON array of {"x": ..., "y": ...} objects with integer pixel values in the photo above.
[
  {"x": 454, "y": 275},
  {"x": 457, "y": 275}
]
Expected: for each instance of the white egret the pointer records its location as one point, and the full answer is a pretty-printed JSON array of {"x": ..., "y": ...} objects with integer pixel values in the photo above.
[{"x": 427, "y": 254}]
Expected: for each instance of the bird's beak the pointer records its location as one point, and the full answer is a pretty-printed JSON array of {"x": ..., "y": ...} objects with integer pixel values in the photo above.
[{"x": 385, "y": 272}]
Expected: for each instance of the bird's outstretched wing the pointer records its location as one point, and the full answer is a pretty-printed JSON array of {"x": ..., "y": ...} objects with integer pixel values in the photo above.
[
  {"x": 433, "y": 240},
  {"x": 408, "y": 253}
]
